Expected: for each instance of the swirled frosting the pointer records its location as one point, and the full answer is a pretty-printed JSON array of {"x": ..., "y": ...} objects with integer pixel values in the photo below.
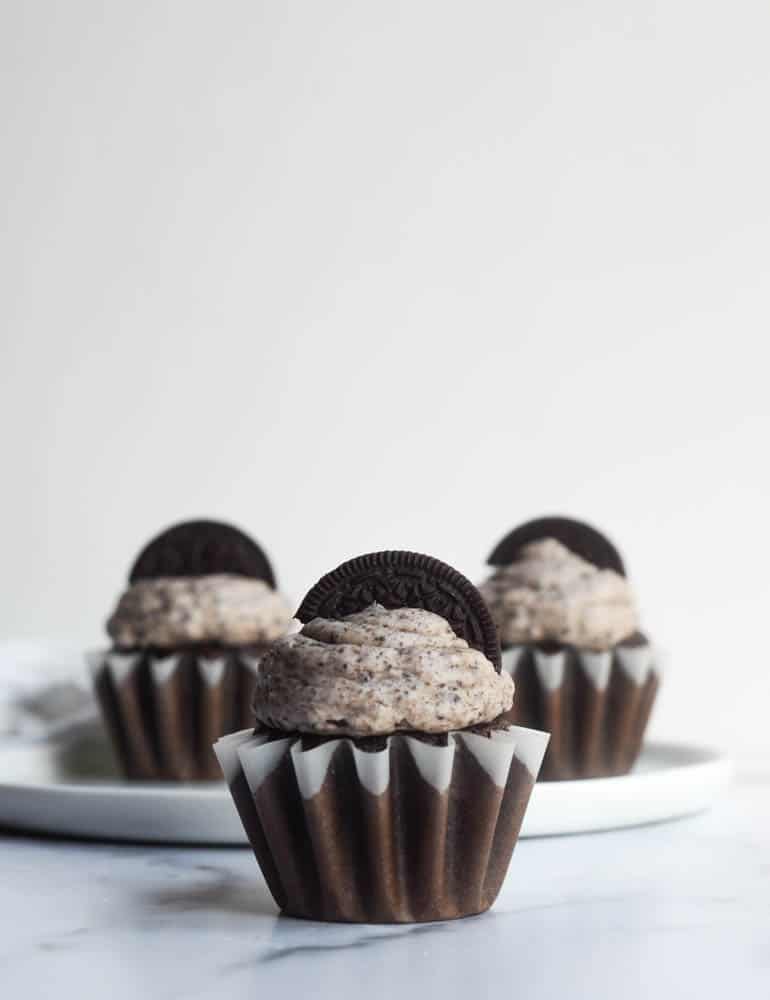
[
  {"x": 376, "y": 672},
  {"x": 175, "y": 611},
  {"x": 550, "y": 593}
]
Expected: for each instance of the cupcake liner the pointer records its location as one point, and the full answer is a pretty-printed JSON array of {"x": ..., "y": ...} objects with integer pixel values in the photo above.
[
  {"x": 163, "y": 713},
  {"x": 408, "y": 833},
  {"x": 595, "y": 705}
]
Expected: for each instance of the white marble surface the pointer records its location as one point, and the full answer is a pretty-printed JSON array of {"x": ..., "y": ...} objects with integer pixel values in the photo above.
[{"x": 678, "y": 909}]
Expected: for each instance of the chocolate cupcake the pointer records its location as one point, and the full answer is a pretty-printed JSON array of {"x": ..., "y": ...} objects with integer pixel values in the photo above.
[
  {"x": 568, "y": 625},
  {"x": 382, "y": 782},
  {"x": 199, "y": 612}
]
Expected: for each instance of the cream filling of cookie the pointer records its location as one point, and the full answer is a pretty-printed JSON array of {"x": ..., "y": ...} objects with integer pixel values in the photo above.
[
  {"x": 550, "y": 593},
  {"x": 175, "y": 611},
  {"x": 377, "y": 672}
]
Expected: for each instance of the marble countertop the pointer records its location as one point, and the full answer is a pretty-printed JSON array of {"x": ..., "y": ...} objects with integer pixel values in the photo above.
[{"x": 678, "y": 909}]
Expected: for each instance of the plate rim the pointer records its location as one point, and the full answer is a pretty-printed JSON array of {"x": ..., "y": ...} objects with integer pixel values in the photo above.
[
  {"x": 708, "y": 768},
  {"x": 703, "y": 755},
  {"x": 706, "y": 756}
]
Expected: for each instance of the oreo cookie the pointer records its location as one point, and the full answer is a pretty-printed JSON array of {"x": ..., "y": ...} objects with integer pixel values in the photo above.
[
  {"x": 577, "y": 536},
  {"x": 200, "y": 548},
  {"x": 405, "y": 580}
]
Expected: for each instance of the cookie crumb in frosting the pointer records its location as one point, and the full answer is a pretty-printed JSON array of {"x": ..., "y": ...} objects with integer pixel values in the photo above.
[
  {"x": 376, "y": 672},
  {"x": 174, "y": 611},
  {"x": 549, "y": 593}
]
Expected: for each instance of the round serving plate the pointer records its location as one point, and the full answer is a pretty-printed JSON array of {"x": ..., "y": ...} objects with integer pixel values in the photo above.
[{"x": 72, "y": 788}]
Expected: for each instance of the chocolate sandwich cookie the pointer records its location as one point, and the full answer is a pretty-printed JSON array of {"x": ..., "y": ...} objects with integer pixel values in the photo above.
[
  {"x": 577, "y": 536},
  {"x": 395, "y": 579},
  {"x": 202, "y": 548}
]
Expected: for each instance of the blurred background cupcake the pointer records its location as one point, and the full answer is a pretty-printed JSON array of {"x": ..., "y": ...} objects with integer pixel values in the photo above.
[
  {"x": 381, "y": 783},
  {"x": 200, "y": 609},
  {"x": 569, "y": 631}
]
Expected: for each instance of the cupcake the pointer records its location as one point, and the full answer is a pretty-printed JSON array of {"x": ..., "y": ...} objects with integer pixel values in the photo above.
[
  {"x": 200, "y": 609},
  {"x": 382, "y": 782},
  {"x": 569, "y": 630}
]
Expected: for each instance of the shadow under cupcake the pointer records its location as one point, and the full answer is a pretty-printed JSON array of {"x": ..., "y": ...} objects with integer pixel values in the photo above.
[
  {"x": 200, "y": 611},
  {"x": 568, "y": 625},
  {"x": 381, "y": 783}
]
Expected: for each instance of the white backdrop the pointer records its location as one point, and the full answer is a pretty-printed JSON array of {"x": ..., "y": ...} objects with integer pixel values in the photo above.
[{"x": 361, "y": 275}]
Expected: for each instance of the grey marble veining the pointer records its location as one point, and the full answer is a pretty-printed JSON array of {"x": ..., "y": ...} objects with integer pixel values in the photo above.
[{"x": 679, "y": 909}]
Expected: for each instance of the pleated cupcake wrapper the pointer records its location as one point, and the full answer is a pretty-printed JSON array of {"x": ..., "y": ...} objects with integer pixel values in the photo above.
[
  {"x": 595, "y": 705},
  {"x": 163, "y": 714},
  {"x": 413, "y": 832}
]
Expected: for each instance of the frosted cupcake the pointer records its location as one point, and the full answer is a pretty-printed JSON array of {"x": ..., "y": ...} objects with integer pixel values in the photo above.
[
  {"x": 382, "y": 782},
  {"x": 569, "y": 630},
  {"x": 200, "y": 609}
]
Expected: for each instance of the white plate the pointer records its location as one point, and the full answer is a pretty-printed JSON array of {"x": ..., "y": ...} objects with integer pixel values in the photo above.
[{"x": 73, "y": 790}]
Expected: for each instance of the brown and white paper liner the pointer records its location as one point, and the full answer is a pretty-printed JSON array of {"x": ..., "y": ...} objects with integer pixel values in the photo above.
[
  {"x": 163, "y": 713},
  {"x": 595, "y": 705},
  {"x": 412, "y": 832}
]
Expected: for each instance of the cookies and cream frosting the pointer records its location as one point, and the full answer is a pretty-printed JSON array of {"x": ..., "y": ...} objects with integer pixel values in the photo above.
[
  {"x": 377, "y": 672},
  {"x": 218, "y": 608},
  {"x": 549, "y": 593}
]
